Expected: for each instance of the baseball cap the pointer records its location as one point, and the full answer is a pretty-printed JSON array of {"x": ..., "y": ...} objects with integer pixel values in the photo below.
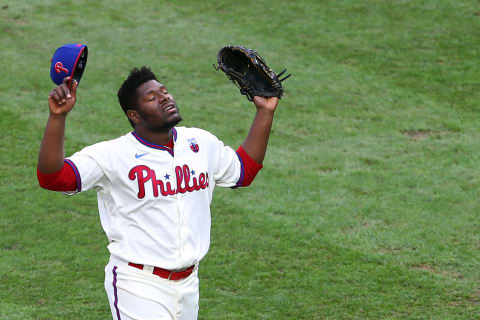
[{"x": 68, "y": 60}]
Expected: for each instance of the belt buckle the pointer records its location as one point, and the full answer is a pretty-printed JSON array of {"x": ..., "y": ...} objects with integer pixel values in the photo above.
[{"x": 149, "y": 269}]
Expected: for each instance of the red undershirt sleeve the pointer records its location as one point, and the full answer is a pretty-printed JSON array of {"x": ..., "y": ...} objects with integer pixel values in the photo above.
[
  {"x": 62, "y": 180},
  {"x": 250, "y": 167}
]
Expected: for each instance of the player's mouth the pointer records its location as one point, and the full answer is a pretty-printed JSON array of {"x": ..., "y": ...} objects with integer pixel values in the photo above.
[{"x": 169, "y": 107}]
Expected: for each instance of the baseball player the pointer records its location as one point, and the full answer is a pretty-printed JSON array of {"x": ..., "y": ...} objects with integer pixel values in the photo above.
[{"x": 154, "y": 188}]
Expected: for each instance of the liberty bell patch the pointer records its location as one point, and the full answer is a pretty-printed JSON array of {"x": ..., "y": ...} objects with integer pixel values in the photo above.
[{"x": 193, "y": 144}]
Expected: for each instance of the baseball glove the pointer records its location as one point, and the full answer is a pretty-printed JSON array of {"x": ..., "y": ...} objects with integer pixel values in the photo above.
[{"x": 249, "y": 72}]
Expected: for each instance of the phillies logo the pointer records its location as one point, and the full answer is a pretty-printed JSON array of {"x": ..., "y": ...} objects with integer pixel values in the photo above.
[
  {"x": 185, "y": 182},
  {"x": 59, "y": 67},
  {"x": 193, "y": 144}
]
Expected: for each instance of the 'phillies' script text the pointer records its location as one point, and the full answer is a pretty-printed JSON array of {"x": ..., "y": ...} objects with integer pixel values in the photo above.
[{"x": 185, "y": 183}]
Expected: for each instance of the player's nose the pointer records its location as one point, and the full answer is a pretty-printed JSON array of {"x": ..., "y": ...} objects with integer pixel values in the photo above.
[{"x": 163, "y": 97}]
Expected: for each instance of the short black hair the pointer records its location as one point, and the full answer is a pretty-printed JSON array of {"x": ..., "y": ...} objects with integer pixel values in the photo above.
[{"x": 127, "y": 94}]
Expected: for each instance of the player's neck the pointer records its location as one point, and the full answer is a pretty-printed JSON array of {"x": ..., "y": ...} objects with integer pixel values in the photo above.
[{"x": 160, "y": 138}]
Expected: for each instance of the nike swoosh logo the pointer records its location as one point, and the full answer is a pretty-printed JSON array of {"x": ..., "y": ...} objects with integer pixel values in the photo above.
[{"x": 139, "y": 155}]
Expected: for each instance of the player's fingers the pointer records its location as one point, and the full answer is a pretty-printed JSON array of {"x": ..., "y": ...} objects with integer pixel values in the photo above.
[
  {"x": 55, "y": 97},
  {"x": 73, "y": 90},
  {"x": 65, "y": 91},
  {"x": 61, "y": 93},
  {"x": 66, "y": 81}
]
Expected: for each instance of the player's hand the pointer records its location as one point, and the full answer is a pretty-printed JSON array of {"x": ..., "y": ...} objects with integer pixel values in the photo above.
[
  {"x": 269, "y": 104},
  {"x": 61, "y": 99}
]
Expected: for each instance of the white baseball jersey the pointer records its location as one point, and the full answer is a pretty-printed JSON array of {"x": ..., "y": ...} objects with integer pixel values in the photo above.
[{"x": 154, "y": 202}]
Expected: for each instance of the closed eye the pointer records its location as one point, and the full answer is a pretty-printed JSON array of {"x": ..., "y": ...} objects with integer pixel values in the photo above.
[{"x": 152, "y": 94}]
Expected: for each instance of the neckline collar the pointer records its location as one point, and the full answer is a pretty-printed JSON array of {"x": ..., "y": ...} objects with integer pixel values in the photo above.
[{"x": 153, "y": 145}]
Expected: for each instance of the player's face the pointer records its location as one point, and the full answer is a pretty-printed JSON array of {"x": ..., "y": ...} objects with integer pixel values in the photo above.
[{"x": 156, "y": 107}]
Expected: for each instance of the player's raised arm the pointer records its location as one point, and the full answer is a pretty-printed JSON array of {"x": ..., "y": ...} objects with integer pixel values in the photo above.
[
  {"x": 255, "y": 145},
  {"x": 250, "y": 73},
  {"x": 60, "y": 101}
]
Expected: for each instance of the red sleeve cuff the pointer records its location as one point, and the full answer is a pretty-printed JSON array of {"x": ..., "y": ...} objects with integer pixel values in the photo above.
[
  {"x": 62, "y": 180},
  {"x": 249, "y": 166}
]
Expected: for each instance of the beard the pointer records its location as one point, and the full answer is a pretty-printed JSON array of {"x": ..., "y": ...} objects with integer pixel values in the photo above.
[
  {"x": 156, "y": 124},
  {"x": 164, "y": 127},
  {"x": 168, "y": 125}
]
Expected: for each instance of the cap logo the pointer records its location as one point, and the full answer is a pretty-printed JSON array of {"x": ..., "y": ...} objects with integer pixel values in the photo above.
[{"x": 59, "y": 67}]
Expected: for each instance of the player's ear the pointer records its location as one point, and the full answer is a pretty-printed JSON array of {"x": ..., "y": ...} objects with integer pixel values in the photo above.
[{"x": 133, "y": 116}]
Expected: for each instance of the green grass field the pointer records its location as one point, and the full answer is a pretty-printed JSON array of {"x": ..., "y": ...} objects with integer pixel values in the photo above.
[{"x": 367, "y": 207}]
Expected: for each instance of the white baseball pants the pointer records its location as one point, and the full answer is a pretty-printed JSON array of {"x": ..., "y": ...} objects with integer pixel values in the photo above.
[{"x": 138, "y": 294}]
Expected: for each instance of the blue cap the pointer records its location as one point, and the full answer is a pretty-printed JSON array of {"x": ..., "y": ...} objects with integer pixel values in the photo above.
[{"x": 68, "y": 60}]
